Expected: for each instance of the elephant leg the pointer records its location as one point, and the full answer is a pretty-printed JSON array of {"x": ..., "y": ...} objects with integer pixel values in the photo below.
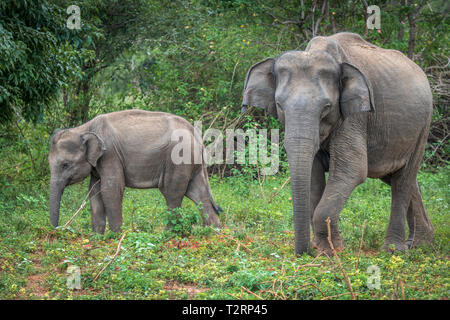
[
  {"x": 317, "y": 181},
  {"x": 348, "y": 169},
  {"x": 420, "y": 227},
  {"x": 401, "y": 197},
  {"x": 112, "y": 186},
  {"x": 174, "y": 186},
  {"x": 403, "y": 186},
  {"x": 198, "y": 192},
  {"x": 97, "y": 208}
]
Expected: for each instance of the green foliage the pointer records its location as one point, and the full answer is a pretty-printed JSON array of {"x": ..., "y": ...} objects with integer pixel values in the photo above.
[
  {"x": 181, "y": 221},
  {"x": 35, "y": 60},
  {"x": 253, "y": 250}
]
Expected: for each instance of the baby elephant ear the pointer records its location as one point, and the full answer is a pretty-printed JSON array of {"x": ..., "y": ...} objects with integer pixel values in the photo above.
[
  {"x": 356, "y": 91},
  {"x": 259, "y": 87},
  {"x": 95, "y": 147}
]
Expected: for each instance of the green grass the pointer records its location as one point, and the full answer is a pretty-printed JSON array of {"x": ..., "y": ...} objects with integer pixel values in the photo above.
[{"x": 252, "y": 256}]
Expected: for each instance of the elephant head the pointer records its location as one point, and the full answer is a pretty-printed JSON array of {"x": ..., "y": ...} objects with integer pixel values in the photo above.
[
  {"x": 311, "y": 92},
  {"x": 72, "y": 157}
]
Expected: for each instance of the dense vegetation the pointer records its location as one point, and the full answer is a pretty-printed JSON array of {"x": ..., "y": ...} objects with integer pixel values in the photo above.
[{"x": 190, "y": 58}]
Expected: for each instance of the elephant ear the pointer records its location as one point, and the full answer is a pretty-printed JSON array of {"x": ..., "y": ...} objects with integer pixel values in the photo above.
[
  {"x": 95, "y": 147},
  {"x": 356, "y": 91},
  {"x": 259, "y": 87}
]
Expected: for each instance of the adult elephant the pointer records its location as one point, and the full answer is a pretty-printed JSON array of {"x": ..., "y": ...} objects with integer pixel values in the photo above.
[
  {"x": 132, "y": 148},
  {"x": 357, "y": 111}
]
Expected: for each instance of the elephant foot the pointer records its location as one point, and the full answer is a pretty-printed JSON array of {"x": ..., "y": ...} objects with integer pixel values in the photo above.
[
  {"x": 322, "y": 245},
  {"x": 420, "y": 238},
  {"x": 212, "y": 220},
  {"x": 99, "y": 229},
  {"x": 115, "y": 228},
  {"x": 392, "y": 246}
]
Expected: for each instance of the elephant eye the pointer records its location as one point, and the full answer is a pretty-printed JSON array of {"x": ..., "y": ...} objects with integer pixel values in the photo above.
[{"x": 64, "y": 165}]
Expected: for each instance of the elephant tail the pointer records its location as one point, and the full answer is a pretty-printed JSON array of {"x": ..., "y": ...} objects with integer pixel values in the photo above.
[{"x": 216, "y": 207}]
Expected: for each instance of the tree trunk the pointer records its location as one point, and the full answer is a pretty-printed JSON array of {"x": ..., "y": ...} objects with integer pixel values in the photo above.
[
  {"x": 86, "y": 101},
  {"x": 412, "y": 34}
]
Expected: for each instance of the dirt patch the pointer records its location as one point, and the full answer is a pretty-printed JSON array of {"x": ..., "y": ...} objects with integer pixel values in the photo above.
[
  {"x": 191, "y": 289},
  {"x": 371, "y": 252},
  {"x": 35, "y": 285},
  {"x": 36, "y": 282}
]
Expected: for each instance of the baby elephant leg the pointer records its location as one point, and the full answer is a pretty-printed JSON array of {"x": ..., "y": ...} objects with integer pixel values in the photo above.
[{"x": 97, "y": 207}]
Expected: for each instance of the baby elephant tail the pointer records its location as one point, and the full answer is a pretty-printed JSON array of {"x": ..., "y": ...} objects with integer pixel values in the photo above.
[{"x": 217, "y": 208}]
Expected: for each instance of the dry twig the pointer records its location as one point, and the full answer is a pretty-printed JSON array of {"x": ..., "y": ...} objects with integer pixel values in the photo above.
[
  {"x": 112, "y": 259},
  {"x": 83, "y": 204},
  {"x": 278, "y": 191},
  {"x": 260, "y": 298},
  {"x": 234, "y": 239},
  {"x": 347, "y": 280}
]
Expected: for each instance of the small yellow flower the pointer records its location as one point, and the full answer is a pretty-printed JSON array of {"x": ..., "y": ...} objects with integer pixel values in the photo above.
[{"x": 187, "y": 27}]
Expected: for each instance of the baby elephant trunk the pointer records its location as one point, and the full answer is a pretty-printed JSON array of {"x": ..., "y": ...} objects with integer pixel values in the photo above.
[{"x": 56, "y": 191}]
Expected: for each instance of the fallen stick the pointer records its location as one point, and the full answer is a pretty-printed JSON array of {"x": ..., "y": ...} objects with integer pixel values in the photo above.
[
  {"x": 260, "y": 298},
  {"x": 237, "y": 298},
  {"x": 261, "y": 185},
  {"x": 278, "y": 191},
  {"x": 347, "y": 280},
  {"x": 338, "y": 295},
  {"x": 314, "y": 286},
  {"x": 308, "y": 265},
  {"x": 110, "y": 261},
  {"x": 232, "y": 238},
  {"x": 83, "y": 204}
]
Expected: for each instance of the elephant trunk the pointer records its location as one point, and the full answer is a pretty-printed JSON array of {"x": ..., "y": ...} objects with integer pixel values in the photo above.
[
  {"x": 300, "y": 156},
  {"x": 56, "y": 191}
]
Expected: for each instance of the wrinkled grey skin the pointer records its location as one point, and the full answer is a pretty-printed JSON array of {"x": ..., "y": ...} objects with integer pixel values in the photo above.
[
  {"x": 357, "y": 111},
  {"x": 127, "y": 149}
]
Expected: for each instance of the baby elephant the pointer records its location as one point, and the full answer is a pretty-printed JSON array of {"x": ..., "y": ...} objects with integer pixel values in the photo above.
[{"x": 132, "y": 148}]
